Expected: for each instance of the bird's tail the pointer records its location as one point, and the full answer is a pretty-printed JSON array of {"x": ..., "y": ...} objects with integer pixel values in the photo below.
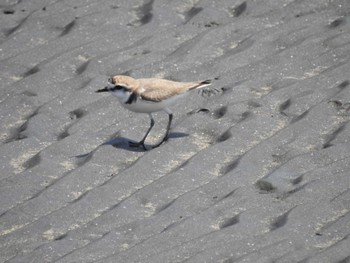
[
  {"x": 203, "y": 83},
  {"x": 207, "y": 92}
]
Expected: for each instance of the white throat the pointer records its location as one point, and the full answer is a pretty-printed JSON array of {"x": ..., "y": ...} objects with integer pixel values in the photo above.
[{"x": 122, "y": 95}]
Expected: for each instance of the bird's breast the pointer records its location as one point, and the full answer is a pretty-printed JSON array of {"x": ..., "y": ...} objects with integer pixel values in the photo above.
[{"x": 145, "y": 106}]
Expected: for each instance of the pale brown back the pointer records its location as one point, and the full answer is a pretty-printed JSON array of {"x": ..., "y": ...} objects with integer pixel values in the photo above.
[{"x": 159, "y": 89}]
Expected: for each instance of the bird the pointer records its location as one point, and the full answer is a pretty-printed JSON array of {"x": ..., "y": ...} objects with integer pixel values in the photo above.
[{"x": 149, "y": 95}]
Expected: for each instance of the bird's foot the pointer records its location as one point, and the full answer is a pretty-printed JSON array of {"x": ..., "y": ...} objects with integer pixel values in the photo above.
[
  {"x": 142, "y": 143},
  {"x": 160, "y": 143},
  {"x": 137, "y": 144}
]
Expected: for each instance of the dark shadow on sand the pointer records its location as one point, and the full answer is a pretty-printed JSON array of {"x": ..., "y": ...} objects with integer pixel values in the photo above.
[{"x": 123, "y": 143}]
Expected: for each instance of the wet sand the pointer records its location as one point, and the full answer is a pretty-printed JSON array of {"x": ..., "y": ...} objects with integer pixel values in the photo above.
[{"x": 256, "y": 168}]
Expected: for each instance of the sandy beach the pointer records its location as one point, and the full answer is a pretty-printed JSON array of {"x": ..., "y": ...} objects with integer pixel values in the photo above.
[{"x": 256, "y": 169}]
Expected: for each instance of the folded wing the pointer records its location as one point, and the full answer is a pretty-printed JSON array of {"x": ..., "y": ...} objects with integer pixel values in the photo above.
[{"x": 157, "y": 90}]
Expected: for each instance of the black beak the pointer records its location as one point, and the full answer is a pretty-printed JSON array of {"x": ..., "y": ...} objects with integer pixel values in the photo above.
[{"x": 105, "y": 89}]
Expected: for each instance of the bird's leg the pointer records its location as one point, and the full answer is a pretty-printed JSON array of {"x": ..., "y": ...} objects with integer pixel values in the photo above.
[
  {"x": 167, "y": 131},
  {"x": 142, "y": 142}
]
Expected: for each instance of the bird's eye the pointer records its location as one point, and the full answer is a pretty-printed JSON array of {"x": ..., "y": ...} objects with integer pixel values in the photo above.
[{"x": 117, "y": 87}]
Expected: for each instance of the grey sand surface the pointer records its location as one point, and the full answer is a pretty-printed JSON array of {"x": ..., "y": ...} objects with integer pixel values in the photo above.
[{"x": 257, "y": 169}]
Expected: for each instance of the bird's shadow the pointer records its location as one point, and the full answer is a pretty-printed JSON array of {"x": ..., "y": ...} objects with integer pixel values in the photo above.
[
  {"x": 123, "y": 143},
  {"x": 120, "y": 142}
]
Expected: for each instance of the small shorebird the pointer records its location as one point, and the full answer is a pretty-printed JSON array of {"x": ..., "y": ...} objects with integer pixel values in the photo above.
[{"x": 148, "y": 96}]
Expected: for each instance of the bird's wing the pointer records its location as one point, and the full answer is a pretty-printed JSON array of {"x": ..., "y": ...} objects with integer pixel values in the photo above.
[{"x": 160, "y": 89}]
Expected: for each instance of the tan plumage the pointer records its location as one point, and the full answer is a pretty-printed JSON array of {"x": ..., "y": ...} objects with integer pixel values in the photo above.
[
  {"x": 154, "y": 89},
  {"x": 148, "y": 96}
]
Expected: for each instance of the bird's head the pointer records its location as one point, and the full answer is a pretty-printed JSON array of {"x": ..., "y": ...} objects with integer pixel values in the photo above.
[{"x": 120, "y": 86}]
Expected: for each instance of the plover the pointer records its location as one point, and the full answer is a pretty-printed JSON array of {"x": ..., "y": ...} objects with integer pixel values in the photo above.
[{"x": 149, "y": 95}]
